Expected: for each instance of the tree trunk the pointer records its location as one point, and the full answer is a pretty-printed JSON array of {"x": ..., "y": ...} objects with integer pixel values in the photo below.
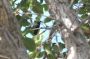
[
  {"x": 11, "y": 46},
  {"x": 73, "y": 36}
]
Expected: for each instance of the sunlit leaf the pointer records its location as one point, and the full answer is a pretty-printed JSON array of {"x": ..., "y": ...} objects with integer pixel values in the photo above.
[{"x": 38, "y": 40}]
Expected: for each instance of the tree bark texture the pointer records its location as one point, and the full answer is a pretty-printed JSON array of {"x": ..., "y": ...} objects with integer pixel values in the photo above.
[
  {"x": 73, "y": 36},
  {"x": 11, "y": 46}
]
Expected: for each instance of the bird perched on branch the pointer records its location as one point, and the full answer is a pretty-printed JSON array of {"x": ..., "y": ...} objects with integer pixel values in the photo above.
[{"x": 36, "y": 27}]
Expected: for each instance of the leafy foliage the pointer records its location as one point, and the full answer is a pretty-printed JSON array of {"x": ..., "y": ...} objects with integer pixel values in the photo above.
[{"x": 29, "y": 14}]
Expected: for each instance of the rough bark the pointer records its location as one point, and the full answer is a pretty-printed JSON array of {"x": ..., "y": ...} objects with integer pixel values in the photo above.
[
  {"x": 11, "y": 46},
  {"x": 73, "y": 36}
]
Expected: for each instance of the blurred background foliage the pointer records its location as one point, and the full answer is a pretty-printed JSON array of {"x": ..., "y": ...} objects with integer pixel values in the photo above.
[{"x": 34, "y": 20}]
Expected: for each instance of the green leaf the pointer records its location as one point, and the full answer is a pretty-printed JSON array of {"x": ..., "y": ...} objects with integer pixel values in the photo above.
[
  {"x": 38, "y": 18},
  {"x": 85, "y": 27},
  {"x": 84, "y": 16},
  {"x": 33, "y": 54},
  {"x": 38, "y": 40},
  {"x": 29, "y": 44},
  {"x": 47, "y": 20},
  {"x": 18, "y": 17},
  {"x": 55, "y": 48},
  {"x": 41, "y": 1},
  {"x": 47, "y": 45},
  {"x": 30, "y": 3},
  {"x": 24, "y": 5},
  {"x": 40, "y": 54},
  {"x": 51, "y": 56},
  {"x": 45, "y": 7},
  {"x": 82, "y": 11},
  {"x": 37, "y": 8},
  {"x": 24, "y": 22}
]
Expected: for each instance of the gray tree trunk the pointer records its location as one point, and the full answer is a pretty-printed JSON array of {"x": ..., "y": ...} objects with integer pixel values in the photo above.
[
  {"x": 11, "y": 46},
  {"x": 73, "y": 36}
]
